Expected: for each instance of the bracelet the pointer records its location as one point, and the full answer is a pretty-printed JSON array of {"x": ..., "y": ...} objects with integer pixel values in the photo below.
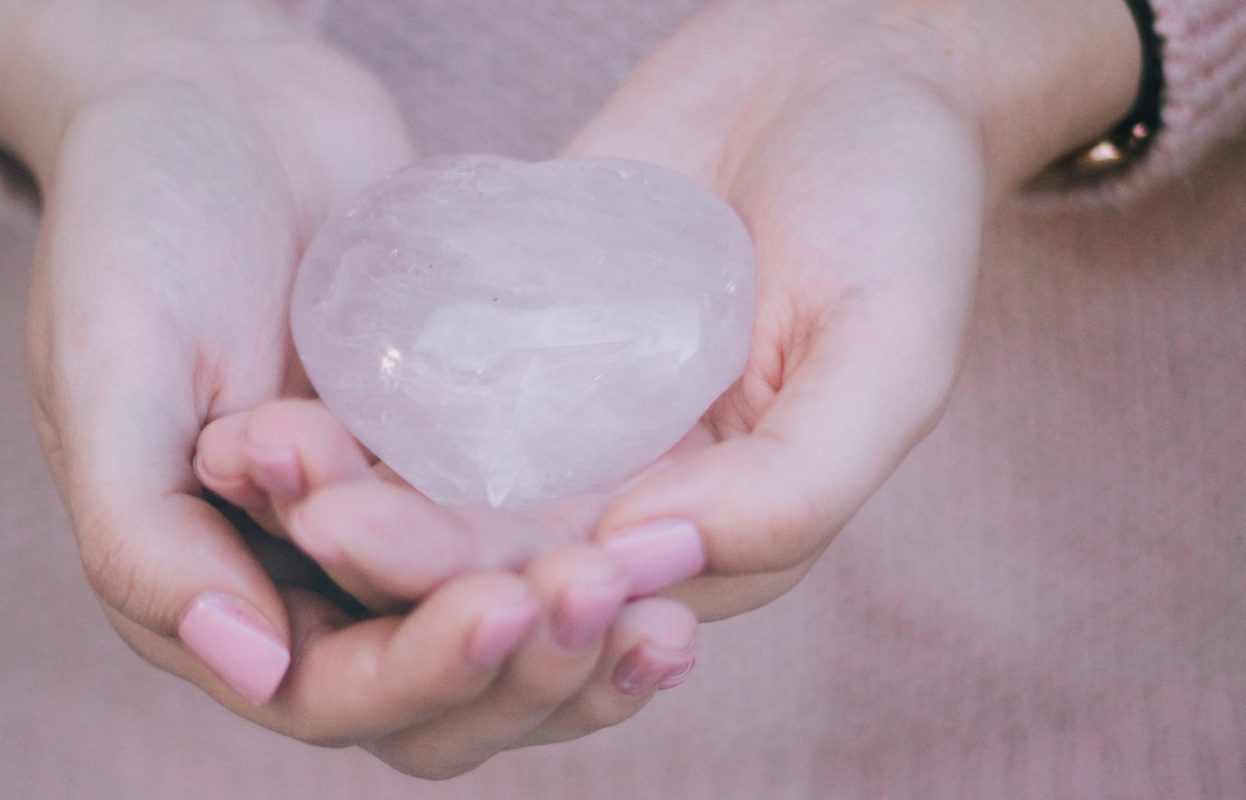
[{"x": 1129, "y": 140}]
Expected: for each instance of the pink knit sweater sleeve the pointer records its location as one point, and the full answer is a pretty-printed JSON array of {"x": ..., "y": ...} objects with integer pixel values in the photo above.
[{"x": 1203, "y": 48}]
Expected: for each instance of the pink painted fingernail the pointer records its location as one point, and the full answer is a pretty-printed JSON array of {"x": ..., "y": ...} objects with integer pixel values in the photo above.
[
  {"x": 659, "y": 554},
  {"x": 678, "y": 677},
  {"x": 584, "y": 611},
  {"x": 236, "y": 643},
  {"x": 277, "y": 472},
  {"x": 498, "y": 632},
  {"x": 647, "y": 668}
]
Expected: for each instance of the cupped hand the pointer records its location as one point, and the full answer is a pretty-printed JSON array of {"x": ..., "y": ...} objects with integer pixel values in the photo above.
[
  {"x": 859, "y": 142},
  {"x": 178, "y": 198},
  {"x": 180, "y": 193}
]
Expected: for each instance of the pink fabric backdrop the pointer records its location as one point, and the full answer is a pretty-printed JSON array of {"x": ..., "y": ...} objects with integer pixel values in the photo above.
[{"x": 1046, "y": 602}]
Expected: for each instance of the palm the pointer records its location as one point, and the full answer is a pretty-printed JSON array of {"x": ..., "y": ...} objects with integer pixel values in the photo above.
[
  {"x": 863, "y": 191},
  {"x": 173, "y": 229},
  {"x": 845, "y": 203},
  {"x": 334, "y": 133},
  {"x": 862, "y": 233}
]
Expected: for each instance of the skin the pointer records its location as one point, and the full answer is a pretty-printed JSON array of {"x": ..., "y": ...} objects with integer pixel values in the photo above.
[
  {"x": 864, "y": 143},
  {"x": 200, "y": 156}
]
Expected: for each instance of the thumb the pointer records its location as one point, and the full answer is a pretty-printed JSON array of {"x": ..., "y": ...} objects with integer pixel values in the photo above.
[
  {"x": 771, "y": 501},
  {"x": 179, "y": 569},
  {"x": 864, "y": 369},
  {"x": 119, "y": 439}
]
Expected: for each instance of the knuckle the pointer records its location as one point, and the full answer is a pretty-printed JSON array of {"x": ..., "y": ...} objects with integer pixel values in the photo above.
[
  {"x": 788, "y": 528},
  {"x": 551, "y": 570},
  {"x": 447, "y": 686},
  {"x": 275, "y": 420},
  {"x": 367, "y": 671},
  {"x": 604, "y": 707},
  {"x": 109, "y": 568},
  {"x": 794, "y": 531},
  {"x": 540, "y": 690}
]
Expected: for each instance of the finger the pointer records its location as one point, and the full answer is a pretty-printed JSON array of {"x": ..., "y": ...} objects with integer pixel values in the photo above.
[
  {"x": 294, "y": 447},
  {"x": 285, "y": 564},
  {"x": 351, "y": 682},
  {"x": 123, "y": 383},
  {"x": 177, "y": 568},
  {"x": 357, "y": 682},
  {"x": 271, "y": 458},
  {"x": 310, "y": 615},
  {"x": 394, "y": 545},
  {"x": 770, "y": 501},
  {"x": 281, "y": 453},
  {"x": 583, "y": 590},
  {"x": 155, "y": 554},
  {"x": 221, "y": 468},
  {"x": 650, "y": 648}
]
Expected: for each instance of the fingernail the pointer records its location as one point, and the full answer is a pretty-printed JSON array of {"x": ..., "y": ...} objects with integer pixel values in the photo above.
[
  {"x": 277, "y": 472},
  {"x": 236, "y": 643},
  {"x": 584, "y": 610},
  {"x": 647, "y": 668},
  {"x": 206, "y": 477},
  {"x": 196, "y": 467},
  {"x": 659, "y": 555},
  {"x": 678, "y": 677},
  {"x": 498, "y": 632}
]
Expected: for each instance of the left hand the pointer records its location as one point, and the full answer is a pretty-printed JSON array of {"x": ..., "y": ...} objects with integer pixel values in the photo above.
[{"x": 863, "y": 142}]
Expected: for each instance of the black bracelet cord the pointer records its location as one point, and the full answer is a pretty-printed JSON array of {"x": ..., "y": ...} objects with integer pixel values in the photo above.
[{"x": 1146, "y": 110}]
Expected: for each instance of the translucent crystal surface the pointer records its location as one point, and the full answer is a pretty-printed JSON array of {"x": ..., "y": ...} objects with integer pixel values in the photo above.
[{"x": 506, "y": 333}]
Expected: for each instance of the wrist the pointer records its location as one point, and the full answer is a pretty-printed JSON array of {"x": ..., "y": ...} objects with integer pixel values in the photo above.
[
  {"x": 1039, "y": 79},
  {"x": 57, "y": 56}
]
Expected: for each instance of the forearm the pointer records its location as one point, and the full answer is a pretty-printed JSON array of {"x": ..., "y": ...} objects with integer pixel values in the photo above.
[{"x": 55, "y": 55}]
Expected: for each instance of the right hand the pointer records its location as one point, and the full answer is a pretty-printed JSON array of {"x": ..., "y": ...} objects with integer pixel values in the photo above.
[
  {"x": 181, "y": 178},
  {"x": 297, "y": 471}
]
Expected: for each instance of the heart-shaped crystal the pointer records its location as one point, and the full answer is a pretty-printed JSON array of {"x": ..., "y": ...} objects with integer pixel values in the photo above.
[{"x": 508, "y": 333}]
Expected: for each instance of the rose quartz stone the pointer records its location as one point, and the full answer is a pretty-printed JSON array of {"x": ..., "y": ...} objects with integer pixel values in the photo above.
[{"x": 506, "y": 333}]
